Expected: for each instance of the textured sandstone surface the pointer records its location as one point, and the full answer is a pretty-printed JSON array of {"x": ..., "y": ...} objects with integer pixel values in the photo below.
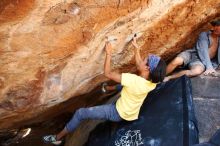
[{"x": 51, "y": 51}]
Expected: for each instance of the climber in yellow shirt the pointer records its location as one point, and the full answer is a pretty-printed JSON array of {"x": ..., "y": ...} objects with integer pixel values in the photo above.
[{"x": 151, "y": 70}]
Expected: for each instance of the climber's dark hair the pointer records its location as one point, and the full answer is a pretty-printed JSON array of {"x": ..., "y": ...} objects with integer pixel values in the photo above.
[{"x": 159, "y": 73}]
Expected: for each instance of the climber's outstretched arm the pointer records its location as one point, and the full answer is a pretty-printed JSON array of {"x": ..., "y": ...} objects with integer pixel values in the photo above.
[
  {"x": 115, "y": 76},
  {"x": 137, "y": 55}
]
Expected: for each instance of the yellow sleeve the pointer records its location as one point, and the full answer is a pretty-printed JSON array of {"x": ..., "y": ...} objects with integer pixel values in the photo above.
[
  {"x": 128, "y": 79},
  {"x": 136, "y": 83}
]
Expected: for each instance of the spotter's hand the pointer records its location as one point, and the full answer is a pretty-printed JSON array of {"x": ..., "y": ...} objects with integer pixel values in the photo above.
[{"x": 209, "y": 72}]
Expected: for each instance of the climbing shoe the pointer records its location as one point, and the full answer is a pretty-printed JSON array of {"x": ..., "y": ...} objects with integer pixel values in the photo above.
[{"x": 52, "y": 139}]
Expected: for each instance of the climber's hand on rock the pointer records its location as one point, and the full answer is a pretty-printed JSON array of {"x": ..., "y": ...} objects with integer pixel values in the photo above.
[
  {"x": 134, "y": 43},
  {"x": 108, "y": 48}
]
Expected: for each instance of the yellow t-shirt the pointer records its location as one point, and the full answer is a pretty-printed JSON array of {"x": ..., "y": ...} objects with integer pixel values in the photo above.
[{"x": 134, "y": 91}]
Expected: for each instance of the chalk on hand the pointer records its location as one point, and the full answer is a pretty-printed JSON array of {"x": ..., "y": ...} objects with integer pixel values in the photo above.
[
  {"x": 131, "y": 36},
  {"x": 111, "y": 39}
]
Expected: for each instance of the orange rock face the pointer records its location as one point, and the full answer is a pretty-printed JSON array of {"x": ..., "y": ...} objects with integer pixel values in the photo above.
[{"x": 52, "y": 51}]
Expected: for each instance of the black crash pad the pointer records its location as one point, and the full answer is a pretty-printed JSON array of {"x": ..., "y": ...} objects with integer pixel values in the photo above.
[{"x": 166, "y": 119}]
